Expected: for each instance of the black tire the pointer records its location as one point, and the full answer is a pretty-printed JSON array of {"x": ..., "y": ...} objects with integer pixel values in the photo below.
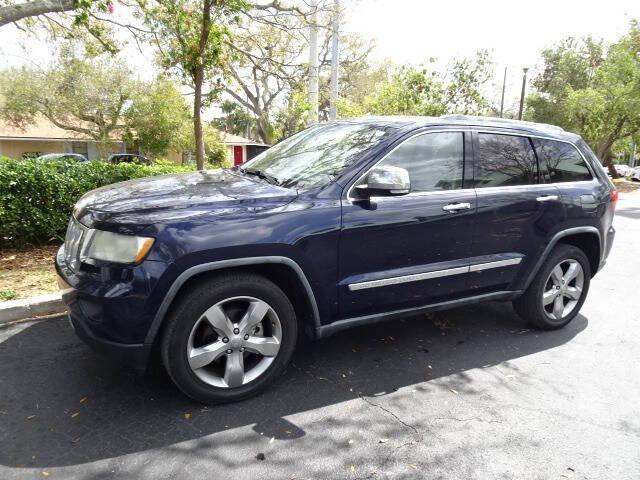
[
  {"x": 529, "y": 305},
  {"x": 189, "y": 309}
]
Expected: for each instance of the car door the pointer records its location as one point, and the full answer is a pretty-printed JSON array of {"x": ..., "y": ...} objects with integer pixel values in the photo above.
[
  {"x": 400, "y": 252},
  {"x": 516, "y": 210}
]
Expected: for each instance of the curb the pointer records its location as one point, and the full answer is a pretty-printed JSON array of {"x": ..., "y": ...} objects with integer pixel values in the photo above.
[{"x": 29, "y": 308}]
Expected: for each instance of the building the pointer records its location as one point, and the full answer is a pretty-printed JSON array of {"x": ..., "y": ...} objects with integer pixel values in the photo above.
[{"x": 44, "y": 137}]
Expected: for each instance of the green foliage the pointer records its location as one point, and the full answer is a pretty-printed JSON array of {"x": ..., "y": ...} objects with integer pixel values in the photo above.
[
  {"x": 158, "y": 111},
  {"x": 409, "y": 92},
  {"x": 592, "y": 90},
  {"x": 36, "y": 197},
  {"x": 424, "y": 91},
  {"x": 294, "y": 116},
  {"x": 7, "y": 294},
  {"x": 235, "y": 119},
  {"x": 217, "y": 154}
]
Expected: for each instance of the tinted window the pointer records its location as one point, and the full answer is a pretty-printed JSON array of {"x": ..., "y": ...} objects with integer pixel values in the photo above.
[
  {"x": 560, "y": 161},
  {"x": 434, "y": 161},
  {"x": 505, "y": 160}
]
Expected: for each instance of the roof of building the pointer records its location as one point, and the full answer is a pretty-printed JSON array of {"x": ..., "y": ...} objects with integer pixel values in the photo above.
[
  {"x": 40, "y": 129},
  {"x": 44, "y": 129},
  {"x": 231, "y": 139}
]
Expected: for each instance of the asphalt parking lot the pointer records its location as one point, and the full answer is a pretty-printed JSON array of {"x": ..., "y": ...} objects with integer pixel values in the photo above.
[{"x": 472, "y": 393}]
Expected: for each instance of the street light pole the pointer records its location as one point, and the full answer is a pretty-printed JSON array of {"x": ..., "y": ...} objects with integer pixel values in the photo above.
[
  {"x": 335, "y": 59},
  {"x": 313, "y": 62},
  {"x": 524, "y": 85},
  {"x": 504, "y": 84}
]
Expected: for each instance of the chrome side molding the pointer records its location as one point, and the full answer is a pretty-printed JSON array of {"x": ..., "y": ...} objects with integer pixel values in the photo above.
[{"x": 416, "y": 277}]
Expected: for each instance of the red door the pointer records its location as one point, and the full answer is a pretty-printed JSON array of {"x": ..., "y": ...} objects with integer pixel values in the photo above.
[{"x": 237, "y": 154}]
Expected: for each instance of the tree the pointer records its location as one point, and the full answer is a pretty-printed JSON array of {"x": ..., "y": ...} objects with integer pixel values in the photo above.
[
  {"x": 88, "y": 98},
  {"x": 190, "y": 36},
  {"x": 592, "y": 90},
  {"x": 98, "y": 99},
  {"x": 158, "y": 110},
  {"x": 15, "y": 12},
  {"x": 235, "y": 120}
]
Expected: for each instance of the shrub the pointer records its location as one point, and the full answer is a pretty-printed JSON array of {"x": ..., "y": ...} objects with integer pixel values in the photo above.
[{"x": 36, "y": 197}]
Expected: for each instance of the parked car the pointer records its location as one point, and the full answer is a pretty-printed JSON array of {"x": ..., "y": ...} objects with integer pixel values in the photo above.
[
  {"x": 341, "y": 225},
  {"x": 78, "y": 157},
  {"x": 128, "y": 158},
  {"x": 634, "y": 175},
  {"x": 623, "y": 170}
]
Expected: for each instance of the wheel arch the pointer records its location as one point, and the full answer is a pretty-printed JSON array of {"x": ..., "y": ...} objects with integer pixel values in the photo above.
[
  {"x": 587, "y": 238},
  {"x": 283, "y": 271}
]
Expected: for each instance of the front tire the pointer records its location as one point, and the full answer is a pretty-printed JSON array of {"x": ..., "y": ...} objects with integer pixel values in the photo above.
[
  {"x": 229, "y": 337},
  {"x": 558, "y": 290}
]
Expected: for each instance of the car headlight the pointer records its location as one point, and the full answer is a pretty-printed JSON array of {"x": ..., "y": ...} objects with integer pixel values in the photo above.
[{"x": 114, "y": 247}]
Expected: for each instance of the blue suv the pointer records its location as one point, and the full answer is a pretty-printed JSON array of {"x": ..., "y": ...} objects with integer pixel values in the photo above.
[{"x": 343, "y": 224}]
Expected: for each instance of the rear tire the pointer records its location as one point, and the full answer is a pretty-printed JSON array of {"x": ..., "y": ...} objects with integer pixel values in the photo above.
[
  {"x": 229, "y": 337},
  {"x": 558, "y": 290}
]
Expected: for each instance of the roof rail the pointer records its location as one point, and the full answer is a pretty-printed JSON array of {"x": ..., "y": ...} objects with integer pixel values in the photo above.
[{"x": 507, "y": 121}]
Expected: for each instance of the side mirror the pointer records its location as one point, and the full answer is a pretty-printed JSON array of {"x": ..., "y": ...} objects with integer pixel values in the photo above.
[{"x": 386, "y": 180}]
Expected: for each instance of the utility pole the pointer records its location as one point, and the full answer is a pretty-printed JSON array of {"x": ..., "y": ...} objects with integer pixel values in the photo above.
[
  {"x": 504, "y": 85},
  {"x": 313, "y": 62},
  {"x": 335, "y": 62},
  {"x": 524, "y": 85}
]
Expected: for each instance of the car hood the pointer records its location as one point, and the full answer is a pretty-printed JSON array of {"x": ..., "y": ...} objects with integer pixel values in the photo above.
[{"x": 168, "y": 198}]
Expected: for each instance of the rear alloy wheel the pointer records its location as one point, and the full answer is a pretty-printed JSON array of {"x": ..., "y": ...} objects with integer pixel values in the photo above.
[
  {"x": 228, "y": 338},
  {"x": 558, "y": 290},
  {"x": 563, "y": 289}
]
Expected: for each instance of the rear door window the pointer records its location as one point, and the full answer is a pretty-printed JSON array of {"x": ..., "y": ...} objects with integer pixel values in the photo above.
[
  {"x": 505, "y": 160},
  {"x": 560, "y": 162}
]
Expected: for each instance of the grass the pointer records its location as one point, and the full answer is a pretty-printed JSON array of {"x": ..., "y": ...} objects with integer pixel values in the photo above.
[{"x": 27, "y": 272}]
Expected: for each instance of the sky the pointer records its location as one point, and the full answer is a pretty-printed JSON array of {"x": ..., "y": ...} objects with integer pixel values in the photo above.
[{"x": 411, "y": 31}]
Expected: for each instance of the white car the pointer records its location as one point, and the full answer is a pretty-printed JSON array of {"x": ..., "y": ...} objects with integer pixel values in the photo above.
[
  {"x": 635, "y": 174},
  {"x": 623, "y": 170}
]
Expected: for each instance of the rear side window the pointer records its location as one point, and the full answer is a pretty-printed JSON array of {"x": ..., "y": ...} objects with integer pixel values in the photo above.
[
  {"x": 560, "y": 161},
  {"x": 505, "y": 160},
  {"x": 434, "y": 161}
]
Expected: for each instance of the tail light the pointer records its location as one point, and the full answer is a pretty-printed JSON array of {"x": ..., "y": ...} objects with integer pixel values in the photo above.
[{"x": 614, "y": 197}]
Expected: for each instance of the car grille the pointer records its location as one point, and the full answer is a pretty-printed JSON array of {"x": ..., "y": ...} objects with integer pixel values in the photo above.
[{"x": 73, "y": 241}]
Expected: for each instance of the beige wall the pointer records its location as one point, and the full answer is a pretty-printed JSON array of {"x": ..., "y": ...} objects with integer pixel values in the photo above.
[{"x": 15, "y": 149}]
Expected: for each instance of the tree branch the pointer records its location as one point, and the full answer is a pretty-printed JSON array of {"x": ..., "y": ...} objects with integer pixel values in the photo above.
[{"x": 14, "y": 13}]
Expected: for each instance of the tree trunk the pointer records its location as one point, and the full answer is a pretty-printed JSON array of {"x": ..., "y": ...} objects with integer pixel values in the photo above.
[
  {"x": 197, "y": 118},
  {"x": 14, "y": 13},
  {"x": 262, "y": 129}
]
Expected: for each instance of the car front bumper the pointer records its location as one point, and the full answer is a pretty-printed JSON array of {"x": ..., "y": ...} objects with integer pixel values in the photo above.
[{"x": 109, "y": 316}]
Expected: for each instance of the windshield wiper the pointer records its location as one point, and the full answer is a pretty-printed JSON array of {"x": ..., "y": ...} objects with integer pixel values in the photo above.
[{"x": 261, "y": 174}]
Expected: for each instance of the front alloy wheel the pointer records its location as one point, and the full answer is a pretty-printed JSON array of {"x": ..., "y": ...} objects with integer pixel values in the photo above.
[
  {"x": 234, "y": 342},
  {"x": 228, "y": 337}
]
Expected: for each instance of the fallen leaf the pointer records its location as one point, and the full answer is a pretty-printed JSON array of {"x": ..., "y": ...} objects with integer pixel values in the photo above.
[
  {"x": 45, "y": 473},
  {"x": 413, "y": 466},
  {"x": 187, "y": 416},
  {"x": 454, "y": 391},
  {"x": 83, "y": 399},
  {"x": 30, "y": 417},
  {"x": 353, "y": 469},
  {"x": 350, "y": 441},
  {"x": 74, "y": 415}
]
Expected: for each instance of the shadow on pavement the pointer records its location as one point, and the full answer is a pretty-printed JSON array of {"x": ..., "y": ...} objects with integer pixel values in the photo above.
[{"x": 61, "y": 404}]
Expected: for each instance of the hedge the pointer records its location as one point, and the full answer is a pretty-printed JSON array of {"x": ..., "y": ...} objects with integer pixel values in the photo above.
[{"x": 36, "y": 197}]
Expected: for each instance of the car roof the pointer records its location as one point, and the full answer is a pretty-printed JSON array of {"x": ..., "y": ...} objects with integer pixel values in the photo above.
[{"x": 413, "y": 122}]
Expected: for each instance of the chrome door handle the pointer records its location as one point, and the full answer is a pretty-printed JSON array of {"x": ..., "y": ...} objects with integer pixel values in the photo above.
[
  {"x": 454, "y": 207},
  {"x": 547, "y": 198}
]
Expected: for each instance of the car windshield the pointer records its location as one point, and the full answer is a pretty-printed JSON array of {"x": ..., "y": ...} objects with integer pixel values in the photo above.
[{"x": 315, "y": 156}]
